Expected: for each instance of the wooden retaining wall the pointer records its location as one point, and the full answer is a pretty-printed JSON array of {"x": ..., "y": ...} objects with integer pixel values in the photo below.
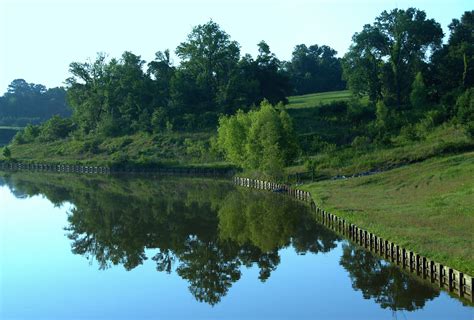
[
  {"x": 447, "y": 278},
  {"x": 16, "y": 166}
]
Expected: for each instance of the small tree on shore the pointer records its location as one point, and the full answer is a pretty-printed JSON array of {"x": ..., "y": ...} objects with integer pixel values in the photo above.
[
  {"x": 262, "y": 140},
  {"x": 7, "y": 153}
]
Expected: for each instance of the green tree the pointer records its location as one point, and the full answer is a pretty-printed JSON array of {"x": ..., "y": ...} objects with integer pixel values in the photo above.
[
  {"x": 55, "y": 128},
  {"x": 7, "y": 153},
  {"x": 315, "y": 69},
  {"x": 274, "y": 81},
  {"x": 25, "y": 103},
  {"x": 388, "y": 54},
  {"x": 111, "y": 98},
  {"x": 465, "y": 107},
  {"x": 419, "y": 94},
  {"x": 453, "y": 65},
  {"x": 262, "y": 139},
  {"x": 209, "y": 58}
]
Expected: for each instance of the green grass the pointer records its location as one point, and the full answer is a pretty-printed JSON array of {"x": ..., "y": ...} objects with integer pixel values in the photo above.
[
  {"x": 171, "y": 149},
  {"x": 444, "y": 140},
  {"x": 314, "y": 99},
  {"x": 10, "y": 128},
  {"x": 427, "y": 207}
]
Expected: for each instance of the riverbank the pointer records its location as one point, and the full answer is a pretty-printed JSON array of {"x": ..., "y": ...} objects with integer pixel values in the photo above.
[{"x": 426, "y": 207}]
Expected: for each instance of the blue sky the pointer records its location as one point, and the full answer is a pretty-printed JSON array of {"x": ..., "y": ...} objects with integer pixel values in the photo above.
[{"x": 40, "y": 38}]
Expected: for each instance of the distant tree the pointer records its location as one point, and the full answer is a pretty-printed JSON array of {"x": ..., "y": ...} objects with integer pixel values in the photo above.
[
  {"x": 209, "y": 58},
  {"x": 25, "y": 103},
  {"x": 315, "y": 69},
  {"x": 274, "y": 82},
  {"x": 385, "y": 56}
]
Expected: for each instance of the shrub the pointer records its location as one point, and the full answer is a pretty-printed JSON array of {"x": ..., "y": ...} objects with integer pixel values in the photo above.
[
  {"x": 56, "y": 128},
  {"x": 465, "y": 106}
]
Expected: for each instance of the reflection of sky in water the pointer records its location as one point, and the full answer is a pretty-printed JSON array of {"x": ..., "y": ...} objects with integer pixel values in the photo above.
[{"x": 41, "y": 278}]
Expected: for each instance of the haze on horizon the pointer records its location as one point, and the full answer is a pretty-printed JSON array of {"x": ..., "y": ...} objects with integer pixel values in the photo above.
[{"x": 41, "y": 38}]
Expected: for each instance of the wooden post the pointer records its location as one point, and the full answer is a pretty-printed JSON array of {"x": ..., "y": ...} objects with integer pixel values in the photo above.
[
  {"x": 404, "y": 258},
  {"x": 450, "y": 279},
  {"x": 440, "y": 268},
  {"x": 423, "y": 267},
  {"x": 461, "y": 284}
]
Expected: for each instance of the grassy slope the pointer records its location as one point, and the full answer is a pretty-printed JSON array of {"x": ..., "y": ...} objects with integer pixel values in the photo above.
[
  {"x": 443, "y": 140},
  {"x": 141, "y": 148},
  {"x": 168, "y": 149},
  {"x": 312, "y": 100},
  {"x": 427, "y": 207}
]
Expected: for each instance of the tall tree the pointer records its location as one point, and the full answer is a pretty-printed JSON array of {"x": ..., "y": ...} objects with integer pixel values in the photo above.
[
  {"x": 315, "y": 69},
  {"x": 111, "y": 98},
  {"x": 274, "y": 82},
  {"x": 209, "y": 58},
  {"x": 453, "y": 65},
  {"x": 394, "y": 48}
]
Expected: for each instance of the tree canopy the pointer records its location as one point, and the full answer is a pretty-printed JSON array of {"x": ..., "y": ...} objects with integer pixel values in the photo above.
[
  {"x": 261, "y": 139},
  {"x": 385, "y": 56},
  {"x": 25, "y": 103}
]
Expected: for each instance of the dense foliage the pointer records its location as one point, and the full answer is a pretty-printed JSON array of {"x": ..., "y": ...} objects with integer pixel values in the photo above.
[
  {"x": 405, "y": 85},
  {"x": 25, "y": 103},
  {"x": 399, "y": 62},
  {"x": 119, "y": 97},
  {"x": 315, "y": 69},
  {"x": 261, "y": 139}
]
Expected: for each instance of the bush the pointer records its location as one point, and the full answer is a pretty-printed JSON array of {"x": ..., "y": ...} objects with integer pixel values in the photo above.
[
  {"x": 7, "y": 153},
  {"x": 361, "y": 143},
  {"x": 465, "y": 106},
  {"x": 55, "y": 128},
  {"x": 261, "y": 139}
]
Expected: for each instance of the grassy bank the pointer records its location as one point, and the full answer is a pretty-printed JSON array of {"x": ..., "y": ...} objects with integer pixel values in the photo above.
[
  {"x": 314, "y": 99},
  {"x": 353, "y": 159},
  {"x": 174, "y": 149},
  {"x": 427, "y": 207}
]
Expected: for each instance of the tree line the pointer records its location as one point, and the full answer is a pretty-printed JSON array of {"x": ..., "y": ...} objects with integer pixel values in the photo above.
[
  {"x": 400, "y": 63},
  {"x": 412, "y": 82},
  {"x": 29, "y": 103},
  {"x": 124, "y": 95}
]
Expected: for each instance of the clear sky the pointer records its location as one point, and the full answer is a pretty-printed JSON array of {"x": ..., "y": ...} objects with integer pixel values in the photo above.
[{"x": 40, "y": 38}]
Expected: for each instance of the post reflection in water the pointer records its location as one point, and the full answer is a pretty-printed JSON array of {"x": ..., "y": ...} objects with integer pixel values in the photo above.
[{"x": 206, "y": 231}]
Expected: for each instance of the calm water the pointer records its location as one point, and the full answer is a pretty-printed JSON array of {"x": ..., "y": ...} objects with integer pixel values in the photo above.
[{"x": 76, "y": 247}]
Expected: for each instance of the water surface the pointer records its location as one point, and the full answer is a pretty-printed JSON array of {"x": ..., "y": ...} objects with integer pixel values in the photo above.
[{"x": 79, "y": 247}]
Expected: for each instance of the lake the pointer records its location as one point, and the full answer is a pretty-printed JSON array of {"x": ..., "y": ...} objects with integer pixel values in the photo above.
[{"x": 155, "y": 247}]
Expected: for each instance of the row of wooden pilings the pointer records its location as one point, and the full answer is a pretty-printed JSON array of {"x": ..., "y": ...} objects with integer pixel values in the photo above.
[
  {"x": 276, "y": 187},
  {"x": 17, "y": 166},
  {"x": 445, "y": 277},
  {"x": 54, "y": 167}
]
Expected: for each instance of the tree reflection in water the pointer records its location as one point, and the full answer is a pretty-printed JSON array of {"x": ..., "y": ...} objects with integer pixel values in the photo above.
[
  {"x": 383, "y": 282},
  {"x": 206, "y": 231},
  {"x": 205, "y": 237}
]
